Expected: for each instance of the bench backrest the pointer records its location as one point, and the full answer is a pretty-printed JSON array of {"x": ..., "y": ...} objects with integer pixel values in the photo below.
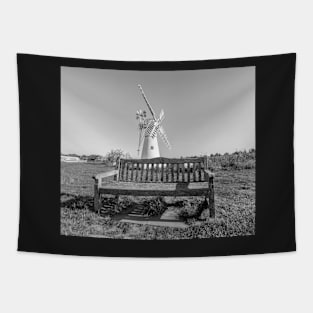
[{"x": 162, "y": 170}]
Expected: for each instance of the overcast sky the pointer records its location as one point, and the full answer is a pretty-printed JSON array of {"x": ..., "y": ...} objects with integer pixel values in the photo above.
[{"x": 206, "y": 111}]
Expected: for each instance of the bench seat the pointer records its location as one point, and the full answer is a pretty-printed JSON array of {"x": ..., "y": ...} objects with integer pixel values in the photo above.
[{"x": 154, "y": 189}]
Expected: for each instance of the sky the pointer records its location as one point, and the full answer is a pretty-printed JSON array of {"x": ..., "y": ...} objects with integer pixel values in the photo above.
[{"x": 206, "y": 111}]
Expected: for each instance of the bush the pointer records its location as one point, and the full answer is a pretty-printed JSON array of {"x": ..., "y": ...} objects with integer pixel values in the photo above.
[
  {"x": 249, "y": 164},
  {"x": 154, "y": 207},
  {"x": 236, "y": 160}
]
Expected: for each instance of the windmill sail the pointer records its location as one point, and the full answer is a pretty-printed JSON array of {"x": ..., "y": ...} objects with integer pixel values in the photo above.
[
  {"x": 147, "y": 102},
  {"x": 163, "y": 135},
  {"x": 150, "y": 128},
  {"x": 161, "y": 117}
]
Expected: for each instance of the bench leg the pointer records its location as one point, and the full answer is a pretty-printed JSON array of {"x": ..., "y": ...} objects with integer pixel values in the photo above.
[
  {"x": 211, "y": 198},
  {"x": 96, "y": 198},
  {"x": 116, "y": 199}
]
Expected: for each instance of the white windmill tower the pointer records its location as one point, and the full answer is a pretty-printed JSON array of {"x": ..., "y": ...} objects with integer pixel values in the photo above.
[{"x": 149, "y": 128}]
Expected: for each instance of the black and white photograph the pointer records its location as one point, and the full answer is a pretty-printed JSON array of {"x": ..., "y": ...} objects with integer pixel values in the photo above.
[{"x": 158, "y": 155}]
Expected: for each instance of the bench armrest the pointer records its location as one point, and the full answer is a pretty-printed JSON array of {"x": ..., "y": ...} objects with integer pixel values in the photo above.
[
  {"x": 209, "y": 173},
  {"x": 99, "y": 176}
]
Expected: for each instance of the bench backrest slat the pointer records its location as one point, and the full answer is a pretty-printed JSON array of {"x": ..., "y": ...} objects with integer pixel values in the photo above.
[
  {"x": 120, "y": 174},
  {"x": 164, "y": 170},
  {"x": 126, "y": 169},
  {"x": 152, "y": 172},
  {"x": 188, "y": 172},
  {"x": 136, "y": 175},
  {"x": 181, "y": 172},
  {"x": 176, "y": 170},
  {"x": 132, "y": 172},
  {"x": 199, "y": 171}
]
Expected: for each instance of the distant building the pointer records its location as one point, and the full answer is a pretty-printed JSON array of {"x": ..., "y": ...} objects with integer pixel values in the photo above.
[
  {"x": 100, "y": 159},
  {"x": 68, "y": 158},
  {"x": 96, "y": 158},
  {"x": 92, "y": 158}
]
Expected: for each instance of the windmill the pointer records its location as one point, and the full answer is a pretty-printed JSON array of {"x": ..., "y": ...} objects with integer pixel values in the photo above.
[{"x": 149, "y": 129}]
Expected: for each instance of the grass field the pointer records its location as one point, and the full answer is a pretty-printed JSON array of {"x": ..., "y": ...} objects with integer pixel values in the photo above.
[{"x": 234, "y": 198}]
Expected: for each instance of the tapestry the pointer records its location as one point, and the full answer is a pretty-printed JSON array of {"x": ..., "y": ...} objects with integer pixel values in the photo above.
[{"x": 156, "y": 159}]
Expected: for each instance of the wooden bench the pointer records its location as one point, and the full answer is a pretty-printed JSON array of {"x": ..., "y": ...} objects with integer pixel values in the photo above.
[{"x": 157, "y": 177}]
